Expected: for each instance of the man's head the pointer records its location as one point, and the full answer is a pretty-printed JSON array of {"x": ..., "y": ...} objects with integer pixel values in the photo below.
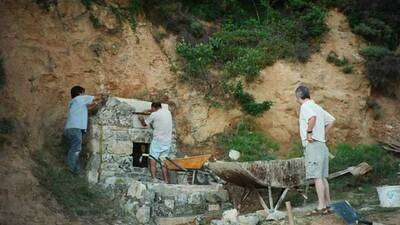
[
  {"x": 155, "y": 106},
  {"x": 302, "y": 94},
  {"x": 76, "y": 91}
]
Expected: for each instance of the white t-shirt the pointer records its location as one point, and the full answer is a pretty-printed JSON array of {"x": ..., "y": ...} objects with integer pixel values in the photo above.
[
  {"x": 307, "y": 110},
  {"x": 161, "y": 121},
  {"x": 78, "y": 112}
]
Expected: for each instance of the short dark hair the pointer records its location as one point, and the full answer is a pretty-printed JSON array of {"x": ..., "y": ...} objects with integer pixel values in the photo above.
[
  {"x": 156, "y": 105},
  {"x": 302, "y": 92},
  {"x": 77, "y": 90}
]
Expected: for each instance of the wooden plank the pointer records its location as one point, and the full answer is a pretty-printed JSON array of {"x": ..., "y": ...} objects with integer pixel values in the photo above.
[{"x": 290, "y": 213}]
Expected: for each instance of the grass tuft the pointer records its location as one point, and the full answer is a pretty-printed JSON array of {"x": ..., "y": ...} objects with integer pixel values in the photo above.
[{"x": 252, "y": 144}]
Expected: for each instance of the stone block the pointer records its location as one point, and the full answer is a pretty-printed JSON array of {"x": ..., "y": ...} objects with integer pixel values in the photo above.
[
  {"x": 230, "y": 216},
  {"x": 214, "y": 207},
  {"x": 181, "y": 199},
  {"x": 195, "y": 198},
  {"x": 143, "y": 214},
  {"x": 136, "y": 190},
  {"x": 169, "y": 203},
  {"x": 92, "y": 168},
  {"x": 249, "y": 219},
  {"x": 217, "y": 196},
  {"x": 120, "y": 147}
]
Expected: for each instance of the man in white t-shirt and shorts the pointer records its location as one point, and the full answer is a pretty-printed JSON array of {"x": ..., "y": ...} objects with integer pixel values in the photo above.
[
  {"x": 160, "y": 120},
  {"x": 315, "y": 123}
]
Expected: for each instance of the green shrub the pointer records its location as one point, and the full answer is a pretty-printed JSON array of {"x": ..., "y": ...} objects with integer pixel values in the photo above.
[
  {"x": 376, "y": 108},
  {"x": 334, "y": 59},
  {"x": 198, "y": 58},
  {"x": 375, "y": 52},
  {"x": 314, "y": 21},
  {"x": 348, "y": 69},
  {"x": 71, "y": 191},
  {"x": 46, "y": 4},
  {"x": 2, "y": 74},
  {"x": 384, "y": 74},
  {"x": 252, "y": 144},
  {"x": 384, "y": 165},
  {"x": 95, "y": 21},
  {"x": 376, "y": 31},
  {"x": 248, "y": 103},
  {"x": 295, "y": 151}
]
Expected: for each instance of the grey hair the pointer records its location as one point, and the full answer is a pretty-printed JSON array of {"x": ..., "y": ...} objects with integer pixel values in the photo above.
[{"x": 302, "y": 92}]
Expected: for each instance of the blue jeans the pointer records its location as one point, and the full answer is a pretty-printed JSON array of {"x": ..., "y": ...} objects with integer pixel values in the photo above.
[{"x": 74, "y": 137}]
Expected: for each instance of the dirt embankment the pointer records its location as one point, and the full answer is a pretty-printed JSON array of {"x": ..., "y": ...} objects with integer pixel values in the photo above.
[{"x": 46, "y": 53}]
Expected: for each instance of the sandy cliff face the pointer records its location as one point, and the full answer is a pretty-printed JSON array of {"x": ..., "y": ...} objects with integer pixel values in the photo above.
[{"x": 46, "y": 53}]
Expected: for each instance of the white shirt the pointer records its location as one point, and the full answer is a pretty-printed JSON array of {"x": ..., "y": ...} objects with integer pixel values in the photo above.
[
  {"x": 78, "y": 112},
  {"x": 307, "y": 110},
  {"x": 161, "y": 121}
]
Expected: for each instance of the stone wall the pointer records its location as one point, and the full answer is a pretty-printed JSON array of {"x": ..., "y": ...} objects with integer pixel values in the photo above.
[{"x": 112, "y": 132}]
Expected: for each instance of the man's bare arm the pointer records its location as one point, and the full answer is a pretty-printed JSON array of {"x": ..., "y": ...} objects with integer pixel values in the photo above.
[
  {"x": 141, "y": 119},
  {"x": 311, "y": 125},
  {"x": 327, "y": 129},
  {"x": 96, "y": 101}
]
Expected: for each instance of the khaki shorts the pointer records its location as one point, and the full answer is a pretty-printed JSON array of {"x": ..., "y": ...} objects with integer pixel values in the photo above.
[{"x": 316, "y": 160}]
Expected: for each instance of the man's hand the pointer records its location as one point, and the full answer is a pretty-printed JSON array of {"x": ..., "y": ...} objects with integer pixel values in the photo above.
[
  {"x": 309, "y": 138},
  {"x": 141, "y": 119}
]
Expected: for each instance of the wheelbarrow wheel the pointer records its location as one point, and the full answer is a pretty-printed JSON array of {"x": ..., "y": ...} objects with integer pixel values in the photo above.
[{"x": 201, "y": 178}]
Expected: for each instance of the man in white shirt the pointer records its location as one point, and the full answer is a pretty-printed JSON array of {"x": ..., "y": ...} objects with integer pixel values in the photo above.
[
  {"x": 76, "y": 124},
  {"x": 315, "y": 123},
  {"x": 160, "y": 120}
]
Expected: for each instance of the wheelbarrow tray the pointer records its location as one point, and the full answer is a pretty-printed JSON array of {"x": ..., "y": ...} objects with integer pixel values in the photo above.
[
  {"x": 275, "y": 173},
  {"x": 189, "y": 163}
]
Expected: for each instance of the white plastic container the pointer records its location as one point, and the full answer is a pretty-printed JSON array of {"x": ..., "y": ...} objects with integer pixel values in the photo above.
[{"x": 389, "y": 196}]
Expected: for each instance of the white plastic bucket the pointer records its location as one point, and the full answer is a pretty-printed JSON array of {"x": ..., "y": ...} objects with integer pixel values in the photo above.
[{"x": 389, "y": 196}]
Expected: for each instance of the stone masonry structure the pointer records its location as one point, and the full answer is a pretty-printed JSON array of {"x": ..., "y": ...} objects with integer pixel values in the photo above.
[{"x": 114, "y": 139}]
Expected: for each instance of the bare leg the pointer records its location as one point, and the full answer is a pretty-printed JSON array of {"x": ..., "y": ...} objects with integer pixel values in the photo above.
[
  {"x": 327, "y": 194},
  {"x": 165, "y": 173},
  {"x": 320, "y": 188},
  {"x": 153, "y": 168}
]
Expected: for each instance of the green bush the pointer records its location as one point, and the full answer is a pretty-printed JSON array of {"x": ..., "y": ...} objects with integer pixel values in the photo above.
[
  {"x": 384, "y": 74},
  {"x": 248, "y": 103},
  {"x": 384, "y": 165},
  {"x": 375, "y": 52},
  {"x": 95, "y": 21},
  {"x": 334, "y": 59},
  {"x": 376, "y": 108},
  {"x": 252, "y": 144},
  {"x": 348, "y": 69},
  {"x": 197, "y": 58}
]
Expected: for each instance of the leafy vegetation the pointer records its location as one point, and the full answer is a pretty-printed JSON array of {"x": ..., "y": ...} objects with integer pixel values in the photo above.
[
  {"x": 121, "y": 13},
  {"x": 376, "y": 108},
  {"x": 252, "y": 144},
  {"x": 71, "y": 191},
  {"x": 384, "y": 166},
  {"x": 384, "y": 74},
  {"x": 378, "y": 22},
  {"x": 340, "y": 62},
  {"x": 46, "y": 4},
  {"x": 242, "y": 40}
]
